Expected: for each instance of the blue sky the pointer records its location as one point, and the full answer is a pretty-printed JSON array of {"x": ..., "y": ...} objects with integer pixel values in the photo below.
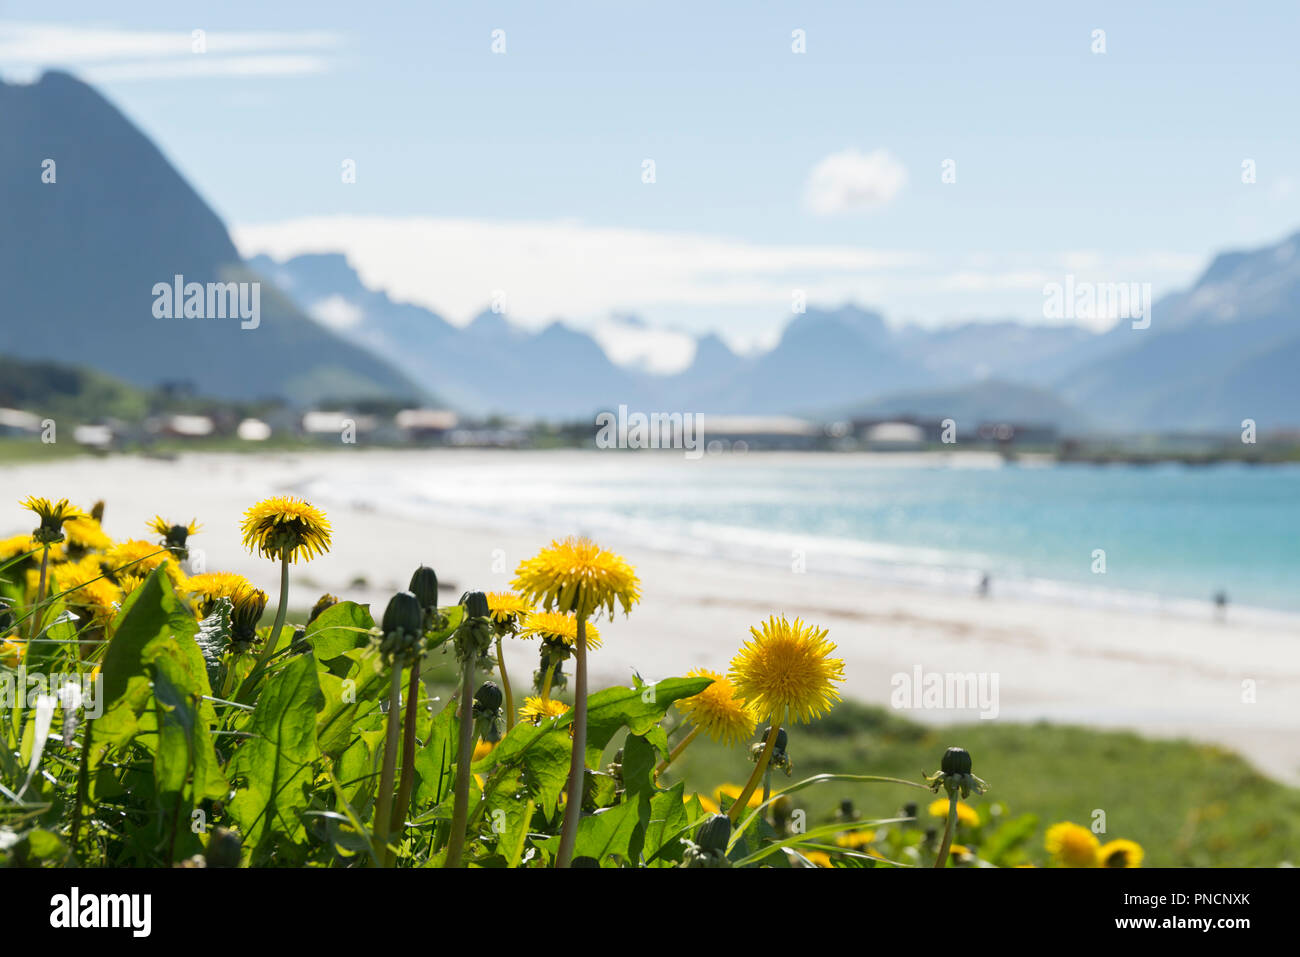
[{"x": 521, "y": 173}]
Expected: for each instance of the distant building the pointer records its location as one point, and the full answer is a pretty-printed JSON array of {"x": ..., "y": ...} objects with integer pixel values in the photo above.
[
  {"x": 17, "y": 422},
  {"x": 186, "y": 426},
  {"x": 331, "y": 425},
  {"x": 894, "y": 435},
  {"x": 253, "y": 430},
  {"x": 424, "y": 425},
  {"x": 94, "y": 436},
  {"x": 900, "y": 431},
  {"x": 739, "y": 433}
]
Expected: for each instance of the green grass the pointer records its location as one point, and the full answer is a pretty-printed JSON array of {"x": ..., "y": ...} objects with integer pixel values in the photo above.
[
  {"x": 1187, "y": 804},
  {"x": 16, "y": 450}
]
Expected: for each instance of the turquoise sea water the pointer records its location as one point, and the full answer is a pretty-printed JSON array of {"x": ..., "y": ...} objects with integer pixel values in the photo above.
[{"x": 1169, "y": 532}]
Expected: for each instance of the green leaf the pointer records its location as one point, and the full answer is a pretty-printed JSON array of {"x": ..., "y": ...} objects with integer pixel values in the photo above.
[
  {"x": 435, "y": 763},
  {"x": 339, "y": 629},
  {"x": 274, "y": 767},
  {"x": 638, "y": 766},
  {"x": 349, "y": 699},
  {"x": 669, "y": 815},
  {"x": 184, "y": 747},
  {"x": 637, "y": 709},
  {"x": 152, "y": 613}
]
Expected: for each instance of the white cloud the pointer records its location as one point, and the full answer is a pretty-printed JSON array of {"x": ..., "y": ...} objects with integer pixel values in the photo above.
[
  {"x": 564, "y": 268},
  {"x": 851, "y": 181},
  {"x": 105, "y": 54},
  {"x": 336, "y": 312},
  {"x": 634, "y": 343}
]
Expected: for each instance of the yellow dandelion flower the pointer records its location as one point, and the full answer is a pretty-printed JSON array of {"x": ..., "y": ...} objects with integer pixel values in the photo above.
[
  {"x": 578, "y": 576},
  {"x": 283, "y": 527},
  {"x": 820, "y": 858},
  {"x": 129, "y": 582},
  {"x": 482, "y": 750},
  {"x": 787, "y": 671},
  {"x": 961, "y": 852},
  {"x": 537, "y": 710},
  {"x": 855, "y": 840},
  {"x": 965, "y": 813},
  {"x": 733, "y": 791},
  {"x": 98, "y": 598},
  {"x": 717, "y": 710},
  {"x": 16, "y": 545},
  {"x": 211, "y": 586},
  {"x": 85, "y": 533},
  {"x": 135, "y": 557},
  {"x": 505, "y": 606},
  {"x": 1071, "y": 845},
  {"x": 1120, "y": 853},
  {"x": 554, "y": 626},
  {"x": 11, "y": 652},
  {"x": 53, "y": 515},
  {"x": 165, "y": 528}
]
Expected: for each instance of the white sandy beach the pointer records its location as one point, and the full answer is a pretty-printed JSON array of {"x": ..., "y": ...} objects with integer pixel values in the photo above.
[{"x": 1161, "y": 674}]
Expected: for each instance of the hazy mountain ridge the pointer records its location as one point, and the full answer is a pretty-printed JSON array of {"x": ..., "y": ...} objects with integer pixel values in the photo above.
[
  {"x": 1207, "y": 354},
  {"x": 1209, "y": 358},
  {"x": 80, "y": 256}
]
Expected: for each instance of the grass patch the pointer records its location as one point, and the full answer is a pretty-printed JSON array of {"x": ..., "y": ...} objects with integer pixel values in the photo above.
[{"x": 1187, "y": 804}]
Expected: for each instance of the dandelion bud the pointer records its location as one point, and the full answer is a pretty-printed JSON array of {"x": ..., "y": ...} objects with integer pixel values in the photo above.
[
  {"x": 223, "y": 848},
  {"x": 325, "y": 601},
  {"x": 403, "y": 614},
  {"x": 246, "y": 608},
  {"x": 782, "y": 739},
  {"x": 424, "y": 585},
  {"x": 714, "y": 833},
  {"x": 476, "y": 604},
  {"x": 956, "y": 761},
  {"x": 97, "y": 511},
  {"x": 488, "y": 697}
]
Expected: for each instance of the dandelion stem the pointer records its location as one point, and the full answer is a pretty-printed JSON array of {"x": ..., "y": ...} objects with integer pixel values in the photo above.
[
  {"x": 408, "y": 752},
  {"x": 743, "y": 800},
  {"x": 946, "y": 846},
  {"x": 578, "y": 760},
  {"x": 505, "y": 686},
  {"x": 675, "y": 753},
  {"x": 546, "y": 681},
  {"x": 280, "y": 612},
  {"x": 83, "y": 783},
  {"x": 37, "y": 613},
  {"x": 384, "y": 796},
  {"x": 464, "y": 757}
]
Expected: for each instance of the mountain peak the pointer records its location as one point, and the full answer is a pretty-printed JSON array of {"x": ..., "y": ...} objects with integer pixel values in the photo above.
[{"x": 490, "y": 324}]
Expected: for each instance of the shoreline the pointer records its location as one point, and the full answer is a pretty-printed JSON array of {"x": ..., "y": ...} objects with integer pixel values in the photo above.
[{"x": 1156, "y": 672}]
